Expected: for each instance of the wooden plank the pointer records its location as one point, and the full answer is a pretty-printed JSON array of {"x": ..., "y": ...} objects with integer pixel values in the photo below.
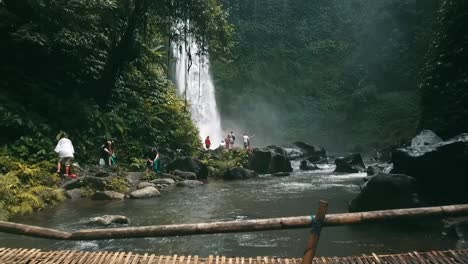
[
  {"x": 42, "y": 256},
  {"x": 195, "y": 259},
  {"x": 81, "y": 257},
  {"x": 259, "y": 260},
  {"x": 160, "y": 259},
  {"x": 210, "y": 259},
  {"x": 223, "y": 260},
  {"x": 92, "y": 257},
  {"x": 189, "y": 258},
  {"x": 446, "y": 255},
  {"x": 145, "y": 256},
  {"x": 62, "y": 256},
  {"x": 439, "y": 259},
  {"x": 167, "y": 259},
  {"x": 127, "y": 259},
  {"x": 32, "y": 256},
  {"x": 27, "y": 255},
  {"x": 11, "y": 254},
  {"x": 136, "y": 258},
  {"x": 153, "y": 256}
]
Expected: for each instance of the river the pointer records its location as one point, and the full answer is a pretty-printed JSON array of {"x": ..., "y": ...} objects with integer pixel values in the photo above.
[{"x": 217, "y": 200}]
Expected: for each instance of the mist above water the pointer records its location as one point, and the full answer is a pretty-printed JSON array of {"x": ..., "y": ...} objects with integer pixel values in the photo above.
[{"x": 194, "y": 82}]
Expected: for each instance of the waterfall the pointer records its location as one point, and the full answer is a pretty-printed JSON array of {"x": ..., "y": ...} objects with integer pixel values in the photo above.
[{"x": 200, "y": 93}]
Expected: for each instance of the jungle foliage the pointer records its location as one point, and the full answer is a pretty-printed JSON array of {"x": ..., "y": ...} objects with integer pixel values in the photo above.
[
  {"x": 96, "y": 70},
  {"x": 344, "y": 74}
]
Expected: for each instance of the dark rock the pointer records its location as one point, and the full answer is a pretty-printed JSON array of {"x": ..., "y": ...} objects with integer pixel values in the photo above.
[
  {"x": 441, "y": 168},
  {"x": 455, "y": 227},
  {"x": 106, "y": 220},
  {"x": 189, "y": 164},
  {"x": 293, "y": 153},
  {"x": 350, "y": 164},
  {"x": 281, "y": 174},
  {"x": 146, "y": 192},
  {"x": 278, "y": 150},
  {"x": 92, "y": 182},
  {"x": 315, "y": 153},
  {"x": 107, "y": 195},
  {"x": 373, "y": 170},
  {"x": 185, "y": 174},
  {"x": 306, "y": 165},
  {"x": 74, "y": 194},
  {"x": 279, "y": 163},
  {"x": 386, "y": 191},
  {"x": 268, "y": 161},
  {"x": 239, "y": 173},
  {"x": 189, "y": 183}
]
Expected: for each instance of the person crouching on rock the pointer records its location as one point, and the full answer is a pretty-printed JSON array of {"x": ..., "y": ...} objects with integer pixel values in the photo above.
[
  {"x": 207, "y": 142},
  {"x": 66, "y": 153},
  {"x": 152, "y": 160},
  {"x": 107, "y": 152}
]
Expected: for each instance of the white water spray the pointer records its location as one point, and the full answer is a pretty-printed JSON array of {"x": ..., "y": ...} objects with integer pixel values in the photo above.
[{"x": 200, "y": 92}]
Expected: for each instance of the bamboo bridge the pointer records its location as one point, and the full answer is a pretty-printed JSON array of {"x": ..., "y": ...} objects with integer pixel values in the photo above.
[{"x": 316, "y": 222}]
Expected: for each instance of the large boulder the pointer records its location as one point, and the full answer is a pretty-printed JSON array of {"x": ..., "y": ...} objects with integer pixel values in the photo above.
[
  {"x": 107, "y": 195},
  {"x": 188, "y": 175},
  {"x": 314, "y": 153},
  {"x": 107, "y": 220},
  {"x": 269, "y": 161},
  {"x": 441, "y": 168},
  {"x": 350, "y": 164},
  {"x": 146, "y": 192},
  {"x": 294, "y": 153},
  {"x": 166, "y": 181},
  {"x": 386, "y": 191},
  {"x": 142, "y": 185},
  {"x": 307, "y": 165},
  {"x": 189, "y": 164},
  {"x": 189, "y": 183},
  {"x": 425, "y": 138},
  {"x": 95, "y": 183},
  {"x": 74, "y": 194},
  {"x": 239, "y": 173}
]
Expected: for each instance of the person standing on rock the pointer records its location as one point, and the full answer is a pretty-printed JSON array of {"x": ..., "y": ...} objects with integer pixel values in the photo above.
[
  {"x": 233, "y": 139},
  {"x": 207, "y": 142},
  {"x": 66, "y": 153},
  {"x": 246, "y": 141}
]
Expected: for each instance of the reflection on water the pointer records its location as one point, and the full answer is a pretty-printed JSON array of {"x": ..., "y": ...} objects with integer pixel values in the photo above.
[{"x": 263, "y": 197}]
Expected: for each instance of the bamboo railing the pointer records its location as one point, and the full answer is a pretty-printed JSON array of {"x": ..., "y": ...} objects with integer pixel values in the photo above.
[{"x": 317, "y": 222}]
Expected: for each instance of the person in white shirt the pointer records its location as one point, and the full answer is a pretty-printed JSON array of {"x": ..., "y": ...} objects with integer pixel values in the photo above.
[
  {"x": 66, "y": 153},
  {"x": 246, "y": 141}
]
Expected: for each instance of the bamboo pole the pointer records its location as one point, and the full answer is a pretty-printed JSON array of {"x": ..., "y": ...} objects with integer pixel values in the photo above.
[
  {"x": 315, "y": 233},
  {"x": 236, "y": 226},
  {"x": 34, "y": 231}
]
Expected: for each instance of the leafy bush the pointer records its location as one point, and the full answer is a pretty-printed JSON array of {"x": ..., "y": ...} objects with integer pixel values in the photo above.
[
  {"x": 221, "y": 160},
  {"x": 117, "y": 184},
  {"x": 26, "y": 188}
]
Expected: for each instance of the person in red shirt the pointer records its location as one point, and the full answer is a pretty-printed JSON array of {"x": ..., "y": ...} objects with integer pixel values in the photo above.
[{"x": 207, "y": 142}]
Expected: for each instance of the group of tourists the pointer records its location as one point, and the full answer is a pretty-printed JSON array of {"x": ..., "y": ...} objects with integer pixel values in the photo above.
[
  {"x": 66, "y": 152},
  {"x": 229, "y": 140}
]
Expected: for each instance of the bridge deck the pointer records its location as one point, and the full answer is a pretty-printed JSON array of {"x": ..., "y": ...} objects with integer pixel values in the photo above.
[{"x": 22, "y": 255}]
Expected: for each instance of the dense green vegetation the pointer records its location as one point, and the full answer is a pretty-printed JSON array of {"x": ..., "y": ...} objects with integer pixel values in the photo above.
[
  {"x": 344, "y": 74},
  {"x": 96, "y": 70}
]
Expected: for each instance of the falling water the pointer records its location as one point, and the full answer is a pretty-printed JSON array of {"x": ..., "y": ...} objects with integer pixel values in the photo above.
[{"x": 200, "y": 92}]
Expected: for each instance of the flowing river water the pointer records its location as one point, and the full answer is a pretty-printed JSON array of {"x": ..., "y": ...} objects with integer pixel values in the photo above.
[{"x": 262, "y": 197}]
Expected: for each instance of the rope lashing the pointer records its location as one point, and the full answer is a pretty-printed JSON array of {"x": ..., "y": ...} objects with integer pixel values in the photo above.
[{"x": 316, "y": 225}]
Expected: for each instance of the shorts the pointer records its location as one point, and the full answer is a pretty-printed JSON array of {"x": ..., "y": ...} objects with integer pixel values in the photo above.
[{"x": 66, "y": 161}]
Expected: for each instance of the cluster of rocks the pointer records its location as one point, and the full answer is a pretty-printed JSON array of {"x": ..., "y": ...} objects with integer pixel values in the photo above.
[
  {"x": 428, "y": 172},
  {"x": 186, "y": 173}
]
